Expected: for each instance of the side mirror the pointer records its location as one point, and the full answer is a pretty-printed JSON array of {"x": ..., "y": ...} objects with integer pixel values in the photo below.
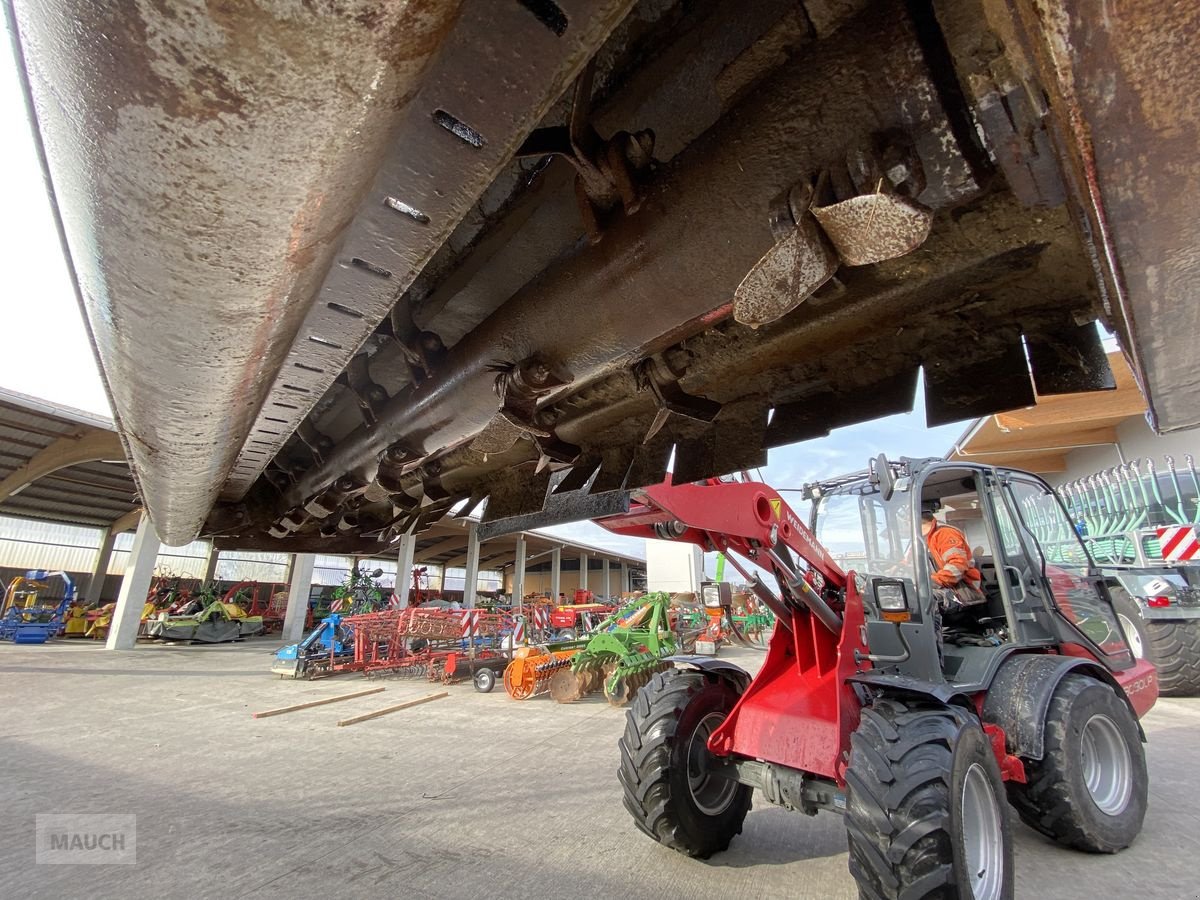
[
  {"x": 882, "y": 475},
  {"x": 377, "y": 573}
]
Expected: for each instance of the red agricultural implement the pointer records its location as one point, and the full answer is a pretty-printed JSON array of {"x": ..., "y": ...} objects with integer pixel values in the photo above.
[{"x": 442, "y": 645}]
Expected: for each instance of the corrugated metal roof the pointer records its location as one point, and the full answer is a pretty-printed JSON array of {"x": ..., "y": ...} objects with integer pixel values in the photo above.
[{"x": 92, "y": 493}]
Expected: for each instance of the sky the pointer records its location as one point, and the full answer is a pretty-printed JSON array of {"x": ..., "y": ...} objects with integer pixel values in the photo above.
[
  {"x": 46, "y": 348},
  {"x": 47, "y": 352}
]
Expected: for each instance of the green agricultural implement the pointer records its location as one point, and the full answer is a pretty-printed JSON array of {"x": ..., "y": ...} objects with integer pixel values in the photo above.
[{"x": 626, "y": 651}]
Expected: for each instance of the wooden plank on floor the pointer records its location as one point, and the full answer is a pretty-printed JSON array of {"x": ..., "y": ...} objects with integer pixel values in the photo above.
[
  {"x": 391, "y": 709},
  {"x": 311, "y": 703}
]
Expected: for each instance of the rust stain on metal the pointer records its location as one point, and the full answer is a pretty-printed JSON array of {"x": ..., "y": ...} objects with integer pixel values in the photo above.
[
  {"x": 201, "y": 209},
  {"x": 873, "y": 227},
  {"x": 784, "y": 278}
]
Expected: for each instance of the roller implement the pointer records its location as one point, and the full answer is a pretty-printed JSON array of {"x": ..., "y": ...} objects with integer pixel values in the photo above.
[{"x": 919, "y": 720}]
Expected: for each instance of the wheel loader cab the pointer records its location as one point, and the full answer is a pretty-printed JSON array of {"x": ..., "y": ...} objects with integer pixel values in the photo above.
[{"x": 1038, "y": 594}]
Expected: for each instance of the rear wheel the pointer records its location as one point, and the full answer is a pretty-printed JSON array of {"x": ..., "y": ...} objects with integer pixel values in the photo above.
[
  {"x": 1175, "y": 652},
  {"x": 670, "y": 789},
  {"x": 485, "y": 680},
  {"x": 1132, "y": 623},
  {"x": 925, "y": 814},
  {"x": 1088, "y": 791}
]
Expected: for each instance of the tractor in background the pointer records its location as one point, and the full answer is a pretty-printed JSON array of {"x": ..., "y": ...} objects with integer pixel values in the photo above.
[
  {"x": 27, "y": 618},
  {"x": 914, "y": 720}
]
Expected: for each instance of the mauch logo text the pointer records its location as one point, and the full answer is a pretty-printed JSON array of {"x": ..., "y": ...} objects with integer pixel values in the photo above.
[{"x": 91, "y": 839}]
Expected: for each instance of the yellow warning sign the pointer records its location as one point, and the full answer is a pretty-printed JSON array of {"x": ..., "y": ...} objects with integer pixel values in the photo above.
[{"x": 777, "y": 507}]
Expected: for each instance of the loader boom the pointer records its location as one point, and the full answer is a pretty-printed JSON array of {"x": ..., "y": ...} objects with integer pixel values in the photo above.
[
  {"x": 740, "y": 518},
  {"x": 803, "y": 687}
]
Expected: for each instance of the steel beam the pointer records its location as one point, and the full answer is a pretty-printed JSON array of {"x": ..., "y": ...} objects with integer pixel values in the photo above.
[
  {"x": 583, "y": 571},
  {"x": 211, "y": 558},
  {"x": 471, "y": 577},
  {"x": 66, "y": 451},
  {"x": 135, "y": 587},
  {"x": 407, "y": 546},
  {"x": 95, "y": 586},
  {"x": 555, "y": 573},
  {"x": 299, "y": 589},
  {"x": 518, "y": 588}
]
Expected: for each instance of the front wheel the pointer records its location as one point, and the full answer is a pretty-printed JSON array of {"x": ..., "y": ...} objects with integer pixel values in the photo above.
[
  {"x": 1088, "y": 791},
  {"x": 925, "y": 811},
  {"x": 666, "y": 769}
]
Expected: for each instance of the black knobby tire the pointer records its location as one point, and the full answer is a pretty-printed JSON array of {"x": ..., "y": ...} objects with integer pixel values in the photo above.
[
  {"x": 1175, "y": 652},
  {"x": 662, "y": 752},
  {"x": 1136, "y": 629},
  {"x": 911, "y": 772},
  {"x": 1086, "y": 724},
  {"x": 485, "y": 680}
]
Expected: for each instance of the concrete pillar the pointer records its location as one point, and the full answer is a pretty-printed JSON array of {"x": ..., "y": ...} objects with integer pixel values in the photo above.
[
  {"x": 583, "y": 571},
  {"x": 127, "y": 616},
  {"x": 555, "y": 573},
  {"x": 604, "y": 579},
  {"x": 518, "y": 590},
  {"x": 299, "y": 587},
  {"x": 471, "y": 579},
  {"x": 210, "y": 563},
  {"x": 404, "y": 567},
  {"x": 625, "y": 586},
  {"x": 100, "y": 569}
]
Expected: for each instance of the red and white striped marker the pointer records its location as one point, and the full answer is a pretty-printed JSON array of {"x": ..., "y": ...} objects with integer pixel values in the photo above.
[
  {"x": 336, "y": 605},
  {"x": 519, "y": 630},
  {"x": 1179, "y": 543},
  {"x": 470, "y": 623},
  {"x": 541, "y": 618}
]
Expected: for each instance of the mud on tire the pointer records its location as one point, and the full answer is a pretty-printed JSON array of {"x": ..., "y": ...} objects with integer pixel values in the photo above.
[
  {"x": 1087, "y": 725},
  {"x": 662, "y": 756},
  {"x": 906, "y": 805}
]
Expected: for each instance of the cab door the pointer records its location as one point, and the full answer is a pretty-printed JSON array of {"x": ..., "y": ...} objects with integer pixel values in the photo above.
[{"x": 1053, "y": 571}]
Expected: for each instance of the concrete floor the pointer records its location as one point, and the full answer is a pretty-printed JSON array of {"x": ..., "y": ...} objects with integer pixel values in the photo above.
[{"x": 470, "y": 796}]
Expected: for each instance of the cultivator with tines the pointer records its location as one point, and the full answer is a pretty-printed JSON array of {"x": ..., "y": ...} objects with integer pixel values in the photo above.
[{"x": 627, "y": 649}]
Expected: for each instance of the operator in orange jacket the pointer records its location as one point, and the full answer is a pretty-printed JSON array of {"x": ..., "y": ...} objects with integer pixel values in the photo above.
[{"x": 956, "y": 583}]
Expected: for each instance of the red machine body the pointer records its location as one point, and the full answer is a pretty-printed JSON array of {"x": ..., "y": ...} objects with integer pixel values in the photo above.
[{"x": 801, "y": 708}]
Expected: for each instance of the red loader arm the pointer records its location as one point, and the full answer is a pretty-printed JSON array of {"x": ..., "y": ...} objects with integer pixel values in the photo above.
[{"x": 738, "y": 518}]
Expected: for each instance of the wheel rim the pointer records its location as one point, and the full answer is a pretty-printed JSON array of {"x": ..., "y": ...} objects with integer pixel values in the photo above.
[
  {"x": 711, "y": 793},
  {"x": 1107, "y": 768},
  {"x": 1132, "y": 636},
  {"x": 983, "y": 842}
]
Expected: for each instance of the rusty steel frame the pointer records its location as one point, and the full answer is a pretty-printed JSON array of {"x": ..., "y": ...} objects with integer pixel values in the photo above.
[
  {"x": 252, "y": 198},
  {"x": 592, "y": 312},
  {"x": 224, "y": 174}
]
